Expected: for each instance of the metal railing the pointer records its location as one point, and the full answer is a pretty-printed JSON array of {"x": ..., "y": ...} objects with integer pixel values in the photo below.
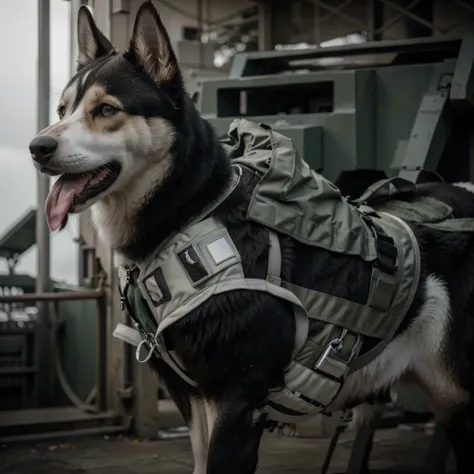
[{"x": 100, "y": 296}]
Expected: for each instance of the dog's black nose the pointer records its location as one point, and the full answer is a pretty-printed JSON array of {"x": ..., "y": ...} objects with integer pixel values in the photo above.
[{"x": 42, "y": 148}]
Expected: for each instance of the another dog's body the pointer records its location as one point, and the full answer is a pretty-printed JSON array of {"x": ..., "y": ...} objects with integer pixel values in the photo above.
[{"x": 163, "y": 165}]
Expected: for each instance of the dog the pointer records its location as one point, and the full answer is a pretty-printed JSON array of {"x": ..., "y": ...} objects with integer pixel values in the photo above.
[{"x": 131, "y": 146}]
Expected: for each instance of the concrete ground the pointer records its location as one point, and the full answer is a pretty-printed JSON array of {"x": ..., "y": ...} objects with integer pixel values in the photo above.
[{"x": 398, "y": 450}]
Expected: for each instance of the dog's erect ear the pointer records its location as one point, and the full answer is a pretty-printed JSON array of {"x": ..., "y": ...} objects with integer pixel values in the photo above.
[
  {"x": 92, "y": 44},
  {"x": 150, "y": 46}
]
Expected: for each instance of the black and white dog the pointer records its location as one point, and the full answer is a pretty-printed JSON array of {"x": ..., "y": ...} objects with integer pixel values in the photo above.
[{"x": 130, "y": 145}]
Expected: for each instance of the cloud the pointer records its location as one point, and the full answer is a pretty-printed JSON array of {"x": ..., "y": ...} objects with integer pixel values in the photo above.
[{"x": 18, "y": 30}]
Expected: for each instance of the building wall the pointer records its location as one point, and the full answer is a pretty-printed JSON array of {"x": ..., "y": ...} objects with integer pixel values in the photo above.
[
  {"x": 116, "y": 17},
  {"x": 298, "y": 21},
  {"x": 177, "y": 14},
  {"x": 305, "y": 21}
]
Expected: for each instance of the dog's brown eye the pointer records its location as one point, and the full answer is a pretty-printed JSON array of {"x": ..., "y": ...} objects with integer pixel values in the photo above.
[
  {"x": 61, "y": 111},
  {"x": 106, "y": 110}
]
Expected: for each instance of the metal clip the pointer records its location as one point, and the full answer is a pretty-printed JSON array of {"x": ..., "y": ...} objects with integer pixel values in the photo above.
[
  {"x": 330, "y": 362},
  {"x": 128, "y": 273},
  {"x": 336, "y": 344}
]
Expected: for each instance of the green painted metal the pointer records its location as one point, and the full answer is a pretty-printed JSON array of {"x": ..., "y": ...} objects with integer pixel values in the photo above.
[
  {"x": 76, "y": 328},
  {"x": 275, "y": 62},
  {"x": 410, "y": 398},
  {"x": 77, "y": 344},
  {"x": 432, "y": 127},
  {"x": 25, "y": 282},
  {"x": 394, "y": 117},
  {"x": 20, "y": 236},
  {"x": 338, "y": 116},
  {"x": 462, "y": 89},
  {"x": 363, "y": 123}
]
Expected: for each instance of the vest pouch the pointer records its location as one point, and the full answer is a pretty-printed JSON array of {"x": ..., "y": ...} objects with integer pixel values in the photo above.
[
  {"x": 184, "y": 273},
  {"x": 291, "y": 198}
]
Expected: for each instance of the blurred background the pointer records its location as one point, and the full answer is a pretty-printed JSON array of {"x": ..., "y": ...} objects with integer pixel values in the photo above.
[{"x": 18, "y": 104}]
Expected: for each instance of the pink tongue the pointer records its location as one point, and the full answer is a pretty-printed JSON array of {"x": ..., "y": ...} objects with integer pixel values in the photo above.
[{"x": 60, "y": 198}]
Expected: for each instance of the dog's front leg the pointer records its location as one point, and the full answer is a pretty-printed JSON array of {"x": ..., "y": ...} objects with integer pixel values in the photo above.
[
  {"x": 193, "y": 410},
  {"x": 179, "y": 390},
  {"x": 199, "y": 434},
  {"x": 235, "y": 425}
]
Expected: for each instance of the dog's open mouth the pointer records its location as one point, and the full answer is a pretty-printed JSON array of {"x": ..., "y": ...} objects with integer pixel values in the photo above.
[{"x": 71, "y": 190}]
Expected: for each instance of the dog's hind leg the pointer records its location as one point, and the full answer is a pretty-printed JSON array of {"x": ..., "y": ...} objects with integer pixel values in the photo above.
[
  {"x": 460, "y": 432},
  {"x": 455, "y": 412}
]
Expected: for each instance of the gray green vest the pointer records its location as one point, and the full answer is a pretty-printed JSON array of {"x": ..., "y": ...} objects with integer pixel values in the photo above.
[{"x": 290, "y": 198}]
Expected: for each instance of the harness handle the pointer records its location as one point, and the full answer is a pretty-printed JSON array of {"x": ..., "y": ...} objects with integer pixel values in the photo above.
[
  {"x": 382, "y": 188},
  {"x": 152, "y": 347}
]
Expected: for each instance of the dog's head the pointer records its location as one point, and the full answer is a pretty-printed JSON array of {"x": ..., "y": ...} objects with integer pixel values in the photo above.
[{"x": 115, "y": 117}]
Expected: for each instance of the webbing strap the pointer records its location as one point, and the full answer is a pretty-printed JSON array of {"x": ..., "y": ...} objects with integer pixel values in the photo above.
[
  {"x": 332, "y": 367},
  {"x": 140, "y": 341},
  {"x": 171, "y": 359},
  {"x": 383, "y": 188},
  {"x": 384, "y": 280},
  {"x": 457, "y": 224},
  {"x": 319, "y": 386},
  {"x": 127, "y": 334},
  {"x": 274, "y": 258}
]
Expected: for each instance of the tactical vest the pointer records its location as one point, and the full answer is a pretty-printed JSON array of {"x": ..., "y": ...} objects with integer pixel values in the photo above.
[{"x": 201, "y": 261}]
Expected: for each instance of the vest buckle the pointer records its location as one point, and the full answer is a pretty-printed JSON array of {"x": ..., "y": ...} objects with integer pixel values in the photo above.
[{"x": 332, "y": 363}]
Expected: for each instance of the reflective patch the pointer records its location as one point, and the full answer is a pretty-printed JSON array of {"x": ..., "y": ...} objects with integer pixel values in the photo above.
[
  {"x": 156, "y": 287},
  {"x": 220, "y": 250}
]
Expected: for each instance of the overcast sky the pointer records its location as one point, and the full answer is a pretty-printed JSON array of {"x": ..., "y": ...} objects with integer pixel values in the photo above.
[{"x": 18, "y": 35}]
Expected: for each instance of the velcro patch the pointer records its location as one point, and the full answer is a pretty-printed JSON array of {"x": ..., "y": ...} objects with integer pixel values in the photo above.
[
  {"x": 193, "y": 264},
  {"x": 220, "y": 250},
  {"x": 157, "y": 288}
]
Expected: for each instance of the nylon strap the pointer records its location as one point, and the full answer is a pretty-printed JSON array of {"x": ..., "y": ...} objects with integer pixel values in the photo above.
[
  {"x": 382, "y": 188},
  {"x": 274, "y": 258}
]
